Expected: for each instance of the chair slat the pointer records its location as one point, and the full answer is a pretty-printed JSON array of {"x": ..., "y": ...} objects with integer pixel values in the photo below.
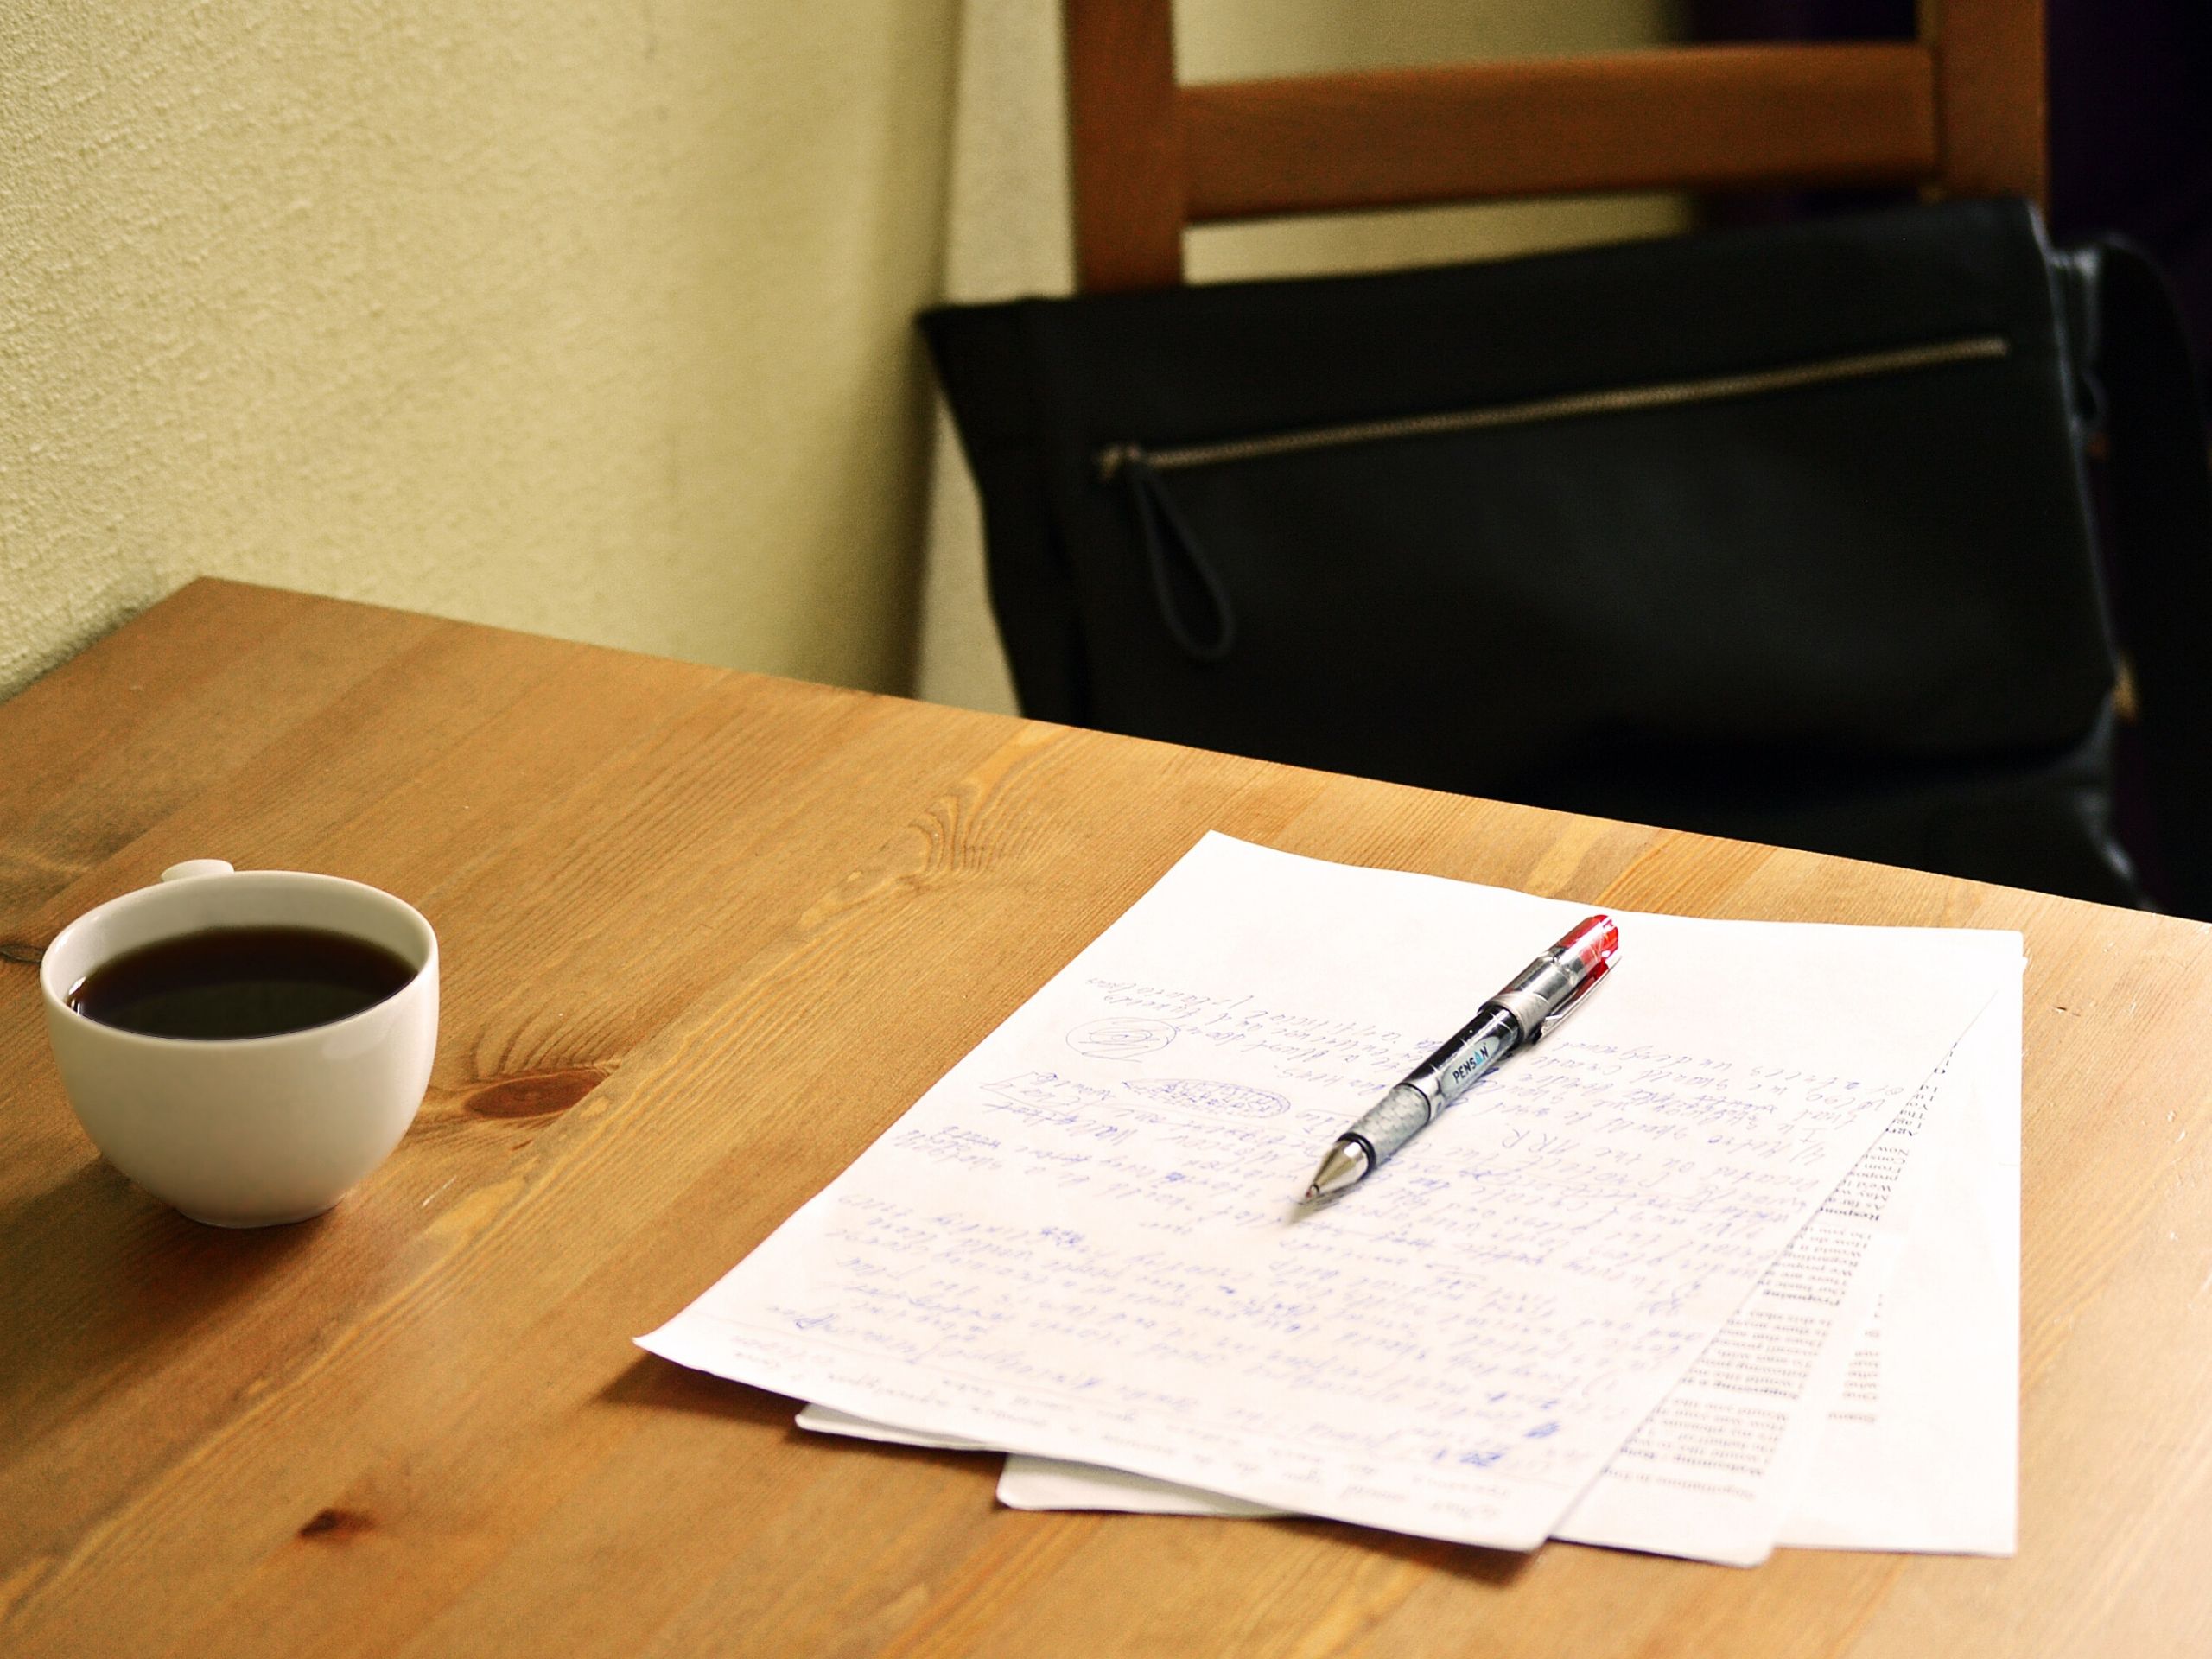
[{"x": 1698, "y": 117}]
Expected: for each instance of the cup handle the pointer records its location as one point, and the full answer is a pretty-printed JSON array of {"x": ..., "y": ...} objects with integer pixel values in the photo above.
[{"x": 193, "y": 866}]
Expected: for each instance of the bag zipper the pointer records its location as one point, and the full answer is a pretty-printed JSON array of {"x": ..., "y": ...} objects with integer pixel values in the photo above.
[{"x": 1619, "y": 400}]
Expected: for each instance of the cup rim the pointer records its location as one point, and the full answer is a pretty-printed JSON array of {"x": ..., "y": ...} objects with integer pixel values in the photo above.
[{"x": 57, "y": 1001}]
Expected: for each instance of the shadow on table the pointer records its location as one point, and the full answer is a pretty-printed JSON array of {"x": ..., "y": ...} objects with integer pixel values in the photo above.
[
  {"x": 98, "y": 1279},
  {"x": 651, "y": 1382},
  {"x": 1496, "y": 1568}
]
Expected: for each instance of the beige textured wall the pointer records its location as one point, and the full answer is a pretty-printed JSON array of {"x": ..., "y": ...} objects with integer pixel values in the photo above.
[{"x": 584, "y": 317}]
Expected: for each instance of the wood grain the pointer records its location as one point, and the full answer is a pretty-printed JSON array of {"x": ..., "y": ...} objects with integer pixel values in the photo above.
[
  {"x": 682, "y": 908},
  {"x": 1693, "y": 118}
]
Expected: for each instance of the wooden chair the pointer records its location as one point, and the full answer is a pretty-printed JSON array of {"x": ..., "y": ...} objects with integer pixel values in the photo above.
[{"x": 1960, "y": 111}]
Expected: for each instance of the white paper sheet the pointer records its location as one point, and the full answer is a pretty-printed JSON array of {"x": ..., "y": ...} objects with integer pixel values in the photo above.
[
  {"x": 1080, "y": 1242},
  {"x": 1935, "y": 1471},
  {"x": 1087, "y": 1487},
  {"x": 1923, "y": 1451},
  {"x": 1715, "y": 1470},
  {"x": 820, "y": 1419}
]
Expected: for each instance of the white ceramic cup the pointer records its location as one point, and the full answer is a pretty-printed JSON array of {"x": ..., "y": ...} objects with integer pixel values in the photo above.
[{"x": 246, "y": 1132}]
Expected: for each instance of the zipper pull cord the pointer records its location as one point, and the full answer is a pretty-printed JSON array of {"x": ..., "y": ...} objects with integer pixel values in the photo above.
[{"x": 1192, "y": 601}]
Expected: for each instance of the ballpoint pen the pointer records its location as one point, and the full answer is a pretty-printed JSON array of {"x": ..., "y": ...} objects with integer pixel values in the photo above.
[{"x": 1541, "y": 995}]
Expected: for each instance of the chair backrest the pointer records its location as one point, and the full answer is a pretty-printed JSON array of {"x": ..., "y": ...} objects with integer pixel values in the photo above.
[{"x": 1960, "y": 110}]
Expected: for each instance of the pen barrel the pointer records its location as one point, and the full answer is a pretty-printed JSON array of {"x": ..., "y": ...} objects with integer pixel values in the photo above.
[
  {"x": 1391, "y": 1121},
  {"x": 1414, "y": 1104},
  {"x": 1477, "y": 1045},
  {"x": 1539, "y": 998},
  {"x": 1543, "y": 984}
]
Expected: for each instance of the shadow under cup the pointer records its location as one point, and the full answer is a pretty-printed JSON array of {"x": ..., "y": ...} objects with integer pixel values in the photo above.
[{"x": 246, "y": 1132}]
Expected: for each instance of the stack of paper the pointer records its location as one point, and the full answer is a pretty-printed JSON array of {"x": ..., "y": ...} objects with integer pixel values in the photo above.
[{"x": 1629, "y": 1290}]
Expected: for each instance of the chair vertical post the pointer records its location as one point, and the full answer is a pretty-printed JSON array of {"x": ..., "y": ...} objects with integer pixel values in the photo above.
[
  {"x": 1125, "y": 144},
  {"x": 1990, "y": 97}
]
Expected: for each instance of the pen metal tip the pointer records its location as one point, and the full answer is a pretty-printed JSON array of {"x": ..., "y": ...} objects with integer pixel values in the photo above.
[{"x": 1346, "y": 1163}]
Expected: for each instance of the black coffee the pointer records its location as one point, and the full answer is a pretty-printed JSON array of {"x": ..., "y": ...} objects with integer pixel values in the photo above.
[{"x": 239, "y": 981}]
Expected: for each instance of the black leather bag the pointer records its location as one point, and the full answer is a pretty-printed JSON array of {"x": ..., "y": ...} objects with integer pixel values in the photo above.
[{"x": 1780, "y": 534}]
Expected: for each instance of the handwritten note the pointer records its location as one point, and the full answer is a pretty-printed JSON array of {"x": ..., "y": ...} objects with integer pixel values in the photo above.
[
  {"x": 1911, "y": 1413},
  {"x": 1080, "y": 1242}
]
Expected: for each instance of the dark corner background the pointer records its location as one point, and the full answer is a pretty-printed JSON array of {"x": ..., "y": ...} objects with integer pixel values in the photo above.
[{"x": 2131, "y": 121}]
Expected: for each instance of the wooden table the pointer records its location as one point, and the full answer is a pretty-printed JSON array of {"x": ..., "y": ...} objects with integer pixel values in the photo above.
[{"x": 679, "y": 906}]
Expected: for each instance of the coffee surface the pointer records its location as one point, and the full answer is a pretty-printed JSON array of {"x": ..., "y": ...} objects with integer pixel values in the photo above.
[{"x": 240, "y": 982}]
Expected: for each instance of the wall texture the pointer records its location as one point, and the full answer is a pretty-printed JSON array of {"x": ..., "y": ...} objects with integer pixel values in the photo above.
[{"x": 588, "y": 318}]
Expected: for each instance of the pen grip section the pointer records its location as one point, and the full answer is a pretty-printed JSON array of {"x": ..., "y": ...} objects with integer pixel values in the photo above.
[{"x": 1393, "y": 1121}]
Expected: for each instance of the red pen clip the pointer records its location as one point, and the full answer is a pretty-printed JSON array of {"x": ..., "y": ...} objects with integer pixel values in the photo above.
[{"x": 1587, "y": 951}]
